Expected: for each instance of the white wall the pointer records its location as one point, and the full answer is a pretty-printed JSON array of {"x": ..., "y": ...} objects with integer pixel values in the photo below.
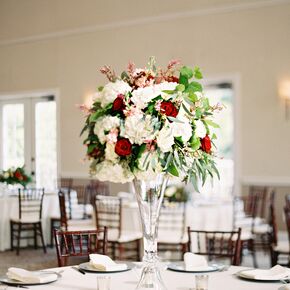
[{"x": 47, "y": 44}]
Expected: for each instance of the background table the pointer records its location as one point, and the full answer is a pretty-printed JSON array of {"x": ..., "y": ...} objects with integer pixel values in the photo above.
[{"x": 174, "y": 281}]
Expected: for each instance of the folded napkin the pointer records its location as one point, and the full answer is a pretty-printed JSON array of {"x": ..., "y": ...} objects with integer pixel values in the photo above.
[
  {"x": 25, "y": 276},
  {"x": 194, "y": 262},
  {"x": 275, "y": 273},
  {"x": 105, "y": 263}
]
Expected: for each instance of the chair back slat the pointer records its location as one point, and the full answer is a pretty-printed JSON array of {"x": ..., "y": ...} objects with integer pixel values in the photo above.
[
  {"x": 172, "y": 219},
  {"x": 109, "y": 212},
  {"x": 216, "y": 244},
  {"x": 79, "y": 243},
  {"x": 30, "y": 202}
]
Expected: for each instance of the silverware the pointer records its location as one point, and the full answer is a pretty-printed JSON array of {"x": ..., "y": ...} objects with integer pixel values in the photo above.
[
  {"x": 224, "y": 268},
  {"x": 79, "y": 270},
  {"x": 58, "y": 273}
]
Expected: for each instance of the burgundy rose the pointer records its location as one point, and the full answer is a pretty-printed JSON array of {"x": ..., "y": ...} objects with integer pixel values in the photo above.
[
  {"x": 118, "y": 104},
  {"x": 168, "y": 109},
  {"x": 172, "y": 79},
  {"x": 123, "y": 147},
  {"x": 205, "y": 144},
  {"x": 95, "y": 153}
]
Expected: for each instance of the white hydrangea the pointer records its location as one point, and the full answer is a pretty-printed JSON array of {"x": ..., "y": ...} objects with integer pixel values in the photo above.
[
  {"x": 142, "y": 96},
  {"x": 200, "y": 130},
  {"x": 104, "y": 125},
  {"x": 182, "y": 130},
  {"x": 165, "y": 86},
  {"x": 111, "y": 90},
  {"x": 138, "y": 129},
  {"x": 165, "y": 139},
  {"x": 108, "y": 171},
  {"x": 110, "y": 153}
]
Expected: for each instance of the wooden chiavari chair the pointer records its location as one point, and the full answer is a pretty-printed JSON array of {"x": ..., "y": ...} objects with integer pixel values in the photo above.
[
  {"x": 64, "y": 184},
  {"x": 29, "y": 219},
  {"x": 216, "y": 244},
  {"x": 71, "y": 224},
  {"x": 108, "y": 212},
  {"x": 79, "y": 244},
  {"x": 172, "y": 236},
  {"x": 280, "y": 250}
]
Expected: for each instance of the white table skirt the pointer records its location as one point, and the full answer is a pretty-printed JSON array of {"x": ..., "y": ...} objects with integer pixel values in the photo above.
[
  {"x": 173, "y": 280},
  {"x": 9, "y": 209}
]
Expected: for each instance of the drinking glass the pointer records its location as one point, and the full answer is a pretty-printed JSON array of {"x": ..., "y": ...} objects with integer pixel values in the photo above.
[
  {"x": 201, "y": 282},
  {"x": 103, "y": 282}
]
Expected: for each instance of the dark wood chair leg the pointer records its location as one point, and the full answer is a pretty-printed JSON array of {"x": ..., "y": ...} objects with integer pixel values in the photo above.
[
  {"x": 11, "y": 236},
  {"x": 138, "y": 250},
  {"x": 35, "y": 235},
  {"x": 113, "y": 250},
  {"x": 51, "y": 233},
  {"x": 41, "y": 236},
  {"x": 18, "y": 238}
]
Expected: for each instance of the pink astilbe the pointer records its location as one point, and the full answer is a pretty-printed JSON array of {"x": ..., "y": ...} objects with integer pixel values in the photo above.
[
  {"x": 150, "y": 145},
  {"x": 113, "y": 136},
  {"x": 110, "y": 74},
  {"x": 173, "y": 63},
  {"x": 84, "y": 108},
  {"x": 131, "y": 68}
]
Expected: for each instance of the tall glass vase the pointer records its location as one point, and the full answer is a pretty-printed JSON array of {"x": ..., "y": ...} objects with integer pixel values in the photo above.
[{"x": 149, "y": 195}]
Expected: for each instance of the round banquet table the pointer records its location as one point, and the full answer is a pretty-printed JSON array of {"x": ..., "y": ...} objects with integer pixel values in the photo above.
[{"x": 226, "y": 280}]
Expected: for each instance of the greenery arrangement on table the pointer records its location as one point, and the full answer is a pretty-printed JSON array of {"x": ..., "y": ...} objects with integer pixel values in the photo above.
[
  {"x": 149, "y": 121},
  {"x": 15, "y": 176}
]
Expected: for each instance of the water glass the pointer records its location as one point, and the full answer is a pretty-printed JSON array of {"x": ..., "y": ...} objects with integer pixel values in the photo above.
[
  {"x": 103, "y": 282},
  {"x": 201, "y": 282}
]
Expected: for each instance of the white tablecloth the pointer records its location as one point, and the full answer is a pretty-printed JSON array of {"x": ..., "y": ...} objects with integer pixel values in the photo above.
[
  {"x": 9, "y": 209},
  {"x": 173, "y": 280}
]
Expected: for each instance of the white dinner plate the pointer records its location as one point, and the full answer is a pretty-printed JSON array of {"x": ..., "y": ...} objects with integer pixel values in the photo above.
[
  {"x": 180, "y": 267},
  {"x": 52, "y": 277},
  {"x": 88, "y": 268},
  {"x": 243, "y": 274}
]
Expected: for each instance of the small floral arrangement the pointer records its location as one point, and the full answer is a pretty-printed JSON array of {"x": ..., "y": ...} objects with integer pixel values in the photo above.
[
  {"x": 176, "y": 194},
  {"x": 148, "y": 121},
  {"x": 15, "y": 176}
]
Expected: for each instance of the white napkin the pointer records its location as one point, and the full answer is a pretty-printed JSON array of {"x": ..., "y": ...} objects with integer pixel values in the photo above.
[
  {"x": 105, "y": 263},
  {"x": 25, "y": 276},
  {"x": 194, "y": 262},
  {"x": 275, "y": 273}
]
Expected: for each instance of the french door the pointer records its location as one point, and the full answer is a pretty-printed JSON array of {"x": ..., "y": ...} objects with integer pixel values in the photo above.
[{"x": 28, "y": 137}]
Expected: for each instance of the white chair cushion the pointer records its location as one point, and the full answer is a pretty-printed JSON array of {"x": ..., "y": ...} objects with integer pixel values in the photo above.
[
  {"x": 125, "y": 237},
  {"x": 27, "y": 219},
  {"x": 169, "y": 237},
  {"x": 282, "y": 247},
  {"x": 80, "y": 225}
]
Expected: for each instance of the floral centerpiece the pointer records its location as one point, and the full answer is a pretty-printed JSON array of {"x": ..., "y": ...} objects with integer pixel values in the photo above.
[
  {"x": 143, "y": 126},
  {"x": 15, "y": 176},
  {"x": 149, "y": 121}
]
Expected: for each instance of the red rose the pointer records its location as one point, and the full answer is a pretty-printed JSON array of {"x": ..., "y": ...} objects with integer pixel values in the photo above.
[
  {"x": 123, "y": 147},
  {"x": 18, "y": 175},
  {"x": 172, "y": 79},
  {"x": 118, "y": 104},
  {"x": 205, "y": 144},
  {"x": 168, "y": 109}
]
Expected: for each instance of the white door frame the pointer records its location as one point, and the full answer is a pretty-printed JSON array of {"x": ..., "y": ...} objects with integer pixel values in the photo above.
[
  {"x": 235, "y": 80},
  {"x": 22, "y": 95}
]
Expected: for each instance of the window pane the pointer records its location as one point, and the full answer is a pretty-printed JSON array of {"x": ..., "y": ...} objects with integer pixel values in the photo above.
[
  {"x": 13, "y": 135},
  {"x": 45, "y": 144}
]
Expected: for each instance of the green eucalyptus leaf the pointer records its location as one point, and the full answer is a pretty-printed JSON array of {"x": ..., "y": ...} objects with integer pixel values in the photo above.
[
  {"x": 172, "y": 170},
  {"x": 197, "y": 73},
  {"x": 187, "y": 72},
  {"x": 180, "y": 87},
  {"x": 211, "y": 123},
  {"x": 175, "y": 120}
]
